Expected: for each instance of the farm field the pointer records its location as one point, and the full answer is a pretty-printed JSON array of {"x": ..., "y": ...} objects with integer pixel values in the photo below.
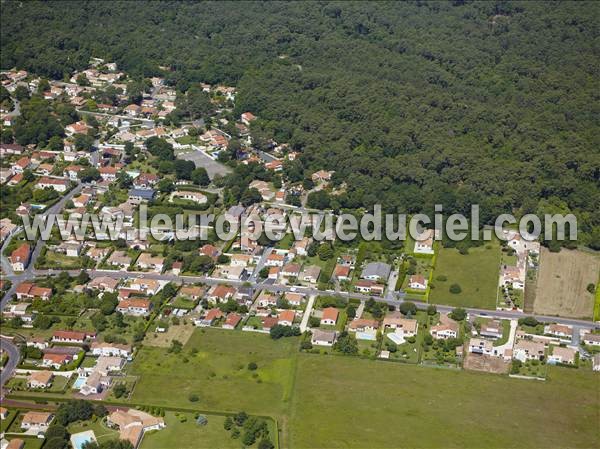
[
  {"x": 387, "y": 405},
  {"x": 562, "y": 281},
  {"x": 189, "y": 435},
  {"x": 214, "y": 366},
  {"x": 476, "y": 273}
]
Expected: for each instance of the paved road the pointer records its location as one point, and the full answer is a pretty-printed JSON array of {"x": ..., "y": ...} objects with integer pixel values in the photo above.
[
  {"x": 6, "y": 266},
  {"x": 307, "y": 312},
  {"x": 11, "y": 364},
  {"x": 29, "y": 273}
]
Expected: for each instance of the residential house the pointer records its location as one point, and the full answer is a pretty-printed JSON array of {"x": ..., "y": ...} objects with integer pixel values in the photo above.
[
  {"x": 446, "y": 328},
  {"x": 294, "y": 299},
  {"x": 220, "y": 293},
  {"x": 79, "y": 127},
  {"x": 137, "y": 196},
  {"x": 132, "y": 424},
  {"x": 424, "y": 242},
  {"x": 36, "y": 421},
  {"x": 111, "y": 349},
  {"x": 210, "y": 250},
  {"x": 341, "y": 273},
  {"x": 369, "y": 287},
  {"x": 562, "y": 355},
  {"x": 78, "y": 337},
  {"x": 241, "y": 260},
  {"x": 19, "y": 258},
  {"x": 192, "y": 292},
  {"x": 363, "y": 325},
  {"x": 376, "y": 271},
  {"x": 60, "y": 185},
  {"x": 27, "y": 290},
  {"x": 196, "y": 197},
  {"x": 247, "y": 118},
  {"x": 310, "y": 274},
  {"x": 40, "y": 379},
  {"x": 135, "y": 307},
  {"x": 300, "y": 247},
  {"x": 558, "y": 330},
  {"x": 491, "y": 329},
  {"x": 211, "y": 316},
  {"x": 329, "y": 316},
  {"x": 232, "y": 320},
  {"x": 323, "y": 337},
  {"x": 269, "y": 322},
  {"x": 148, "y": 262},
  {"x": 21, "y": 165},
  {"x": 591, "y": 339},
  {"x": 56, "y": 361},
  {"x": 104, "y": 283},
  {"x": 275, "y": 260},
  {"x": 266, "y": 299},
  {"x": 417, "y": 282},
  {"x": 405, "y": 326},
  {"x": 291, "y": 270},
  {"x": 525, "y": 350},
  {"x": 286, "y": 317},
  {"x": 119, "y": 258},
  {"x": 321, "y": 176},
  {"x": 481, "y": 346}
]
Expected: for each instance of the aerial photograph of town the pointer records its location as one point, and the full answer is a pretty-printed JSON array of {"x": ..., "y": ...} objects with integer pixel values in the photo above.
[{"x": 299, "y": 225}]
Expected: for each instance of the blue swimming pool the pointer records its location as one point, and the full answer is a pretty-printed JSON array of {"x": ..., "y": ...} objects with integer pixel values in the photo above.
[
  {"x": 79, "y": 382},
  {"x": 79, "y": 439}
]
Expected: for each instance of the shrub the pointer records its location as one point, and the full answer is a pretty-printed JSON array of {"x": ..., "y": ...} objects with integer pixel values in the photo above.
[
  {"x": 455, "y": 289},
  {"x": 193, "y": 397},
  {"x": 252, "y": 366}
]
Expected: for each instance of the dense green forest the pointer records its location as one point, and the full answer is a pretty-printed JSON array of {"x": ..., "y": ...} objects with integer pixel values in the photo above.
[{"x": 415, "y": 103}]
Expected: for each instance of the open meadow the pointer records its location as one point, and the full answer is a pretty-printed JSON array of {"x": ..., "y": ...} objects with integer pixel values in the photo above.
[
  {"x": 476, "y": 273},
  {"x": 562, "y": 283},
  {"x": 356, "y": 403},
  {"x": 214, "y": 366}
]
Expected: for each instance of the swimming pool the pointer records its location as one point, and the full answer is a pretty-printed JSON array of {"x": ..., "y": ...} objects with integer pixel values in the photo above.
[
  {"x": 79, "y": 382},
  {"x": 79, "y": 439}
]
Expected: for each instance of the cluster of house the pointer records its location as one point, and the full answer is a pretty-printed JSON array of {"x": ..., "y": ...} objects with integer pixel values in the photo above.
[
  {"x": 553, "y": 347},
  {"x": 267, "y": 309},
  {"x": 512, "y": 277},
  {"x": 111, "y": 358}
]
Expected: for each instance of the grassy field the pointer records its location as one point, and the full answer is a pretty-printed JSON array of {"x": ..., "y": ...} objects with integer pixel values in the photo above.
[
  {"x": 562, "y": 282},
  {"x": 216, "y": 370},
  {"x": 476, "y": 273},
  {"x": 388, "y": 405},
  {"x": 101, "y": 431},
  {"x": 190, "y": 435}
]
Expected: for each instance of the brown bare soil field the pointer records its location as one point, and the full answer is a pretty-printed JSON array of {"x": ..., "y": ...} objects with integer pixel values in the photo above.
[
  {"x": 562, "y": 281},
  {"x": 486, "y": 363},
  {"x": 181, "y": 332}
]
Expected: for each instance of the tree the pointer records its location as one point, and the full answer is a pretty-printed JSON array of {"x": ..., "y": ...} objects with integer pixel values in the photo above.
[
  {"x": 228, "y": 423},
  {"x": 325, "y": 251},
  {"x": 264, "y": 272},
  {"x": 192, "y": 397},
  {"x": 351, "y": 312},
  {"x": 431, "y": 310},
  {"x": 119, "y": 390},
  {"x": 200, "y": 177},
  {"x": 458, "y": 314},
  {"x": 83, "y": 142},
  {"x": 176, "y": 347},
  {"x": 184, "y": 169},
  {"x": 408, "y": 307},
  {"x": 318, "y": 200},
  {"x": 82, "y": 80},
  {"x": 346, "y": 344},
  {"x": 251, "y": 196},
  {"x": 89, "y": 174},
  {"x": 165, "y": 186},
  {"x": 240, "y": 418},
  {"x": 252, "y": 366},
  {"x": 591, "y": 288},
  {"x": 160, "y": 148}
]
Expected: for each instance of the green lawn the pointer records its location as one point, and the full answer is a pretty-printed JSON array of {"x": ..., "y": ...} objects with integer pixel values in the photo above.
[
  {"x": 476, "y": 273},
  {"x": 189, "y": 435},
  {"x": 101, "y": 431},
  {"x": 359, "y": 403},
  {"x": 218, "y": 373}
]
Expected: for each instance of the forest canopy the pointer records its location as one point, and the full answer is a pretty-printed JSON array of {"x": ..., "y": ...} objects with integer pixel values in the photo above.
[{"x": 411, "y": 104}]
